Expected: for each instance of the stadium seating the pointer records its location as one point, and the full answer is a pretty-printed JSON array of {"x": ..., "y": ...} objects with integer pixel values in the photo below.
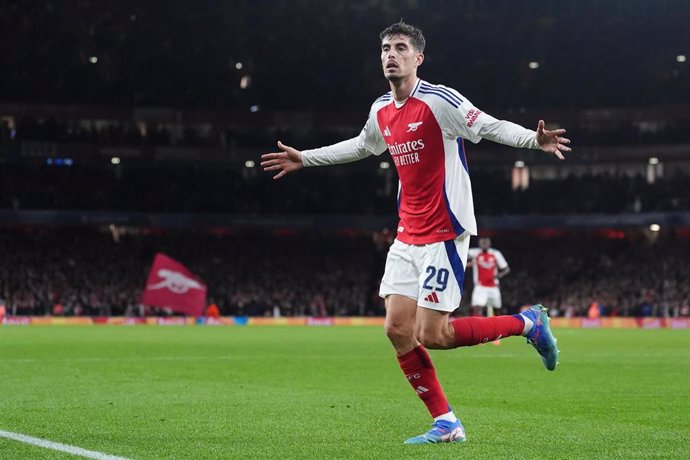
[{"x": 325, "y": 273}]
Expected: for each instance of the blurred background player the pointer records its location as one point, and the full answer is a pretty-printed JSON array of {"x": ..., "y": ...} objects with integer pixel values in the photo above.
[
  {"x": 488, "y": 267},
  {"x": 423, "y": 126}
]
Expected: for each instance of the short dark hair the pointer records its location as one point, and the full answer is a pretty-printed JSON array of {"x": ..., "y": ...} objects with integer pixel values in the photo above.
[{"x": 401, "y": 28}]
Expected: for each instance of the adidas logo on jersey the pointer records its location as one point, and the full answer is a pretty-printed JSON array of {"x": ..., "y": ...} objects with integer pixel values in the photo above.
[
  {"x": 413, "y": 126},
  {"x": 420, "y": 389},
  {"x": 433, "y": 298},
  {"x": 387, "y": 132}
]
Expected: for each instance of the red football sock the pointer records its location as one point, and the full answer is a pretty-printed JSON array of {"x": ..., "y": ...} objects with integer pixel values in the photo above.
[
  {"x": 474, "y": 330},
  {"x": 419, "y": 370}
]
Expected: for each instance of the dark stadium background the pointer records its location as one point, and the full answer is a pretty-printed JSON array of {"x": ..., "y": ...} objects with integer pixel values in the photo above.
[{"x": 128, "y": 128}]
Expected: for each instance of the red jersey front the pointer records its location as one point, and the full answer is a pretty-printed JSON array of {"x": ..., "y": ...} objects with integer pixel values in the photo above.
[{"x": 422, "y": 135}]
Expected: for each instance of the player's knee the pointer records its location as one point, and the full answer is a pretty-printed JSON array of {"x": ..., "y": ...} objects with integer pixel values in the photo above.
[{"x": 397, "y": 330}]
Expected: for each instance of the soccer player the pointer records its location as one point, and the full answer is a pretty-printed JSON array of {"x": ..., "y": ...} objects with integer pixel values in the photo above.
[
  {"x": 488, "y": 266},
  {"x": 423, "y": 125}
]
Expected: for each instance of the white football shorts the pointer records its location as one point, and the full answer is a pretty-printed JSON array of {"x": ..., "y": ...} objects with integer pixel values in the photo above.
[
  {"x": 432, "y": 274},
  {"x": 483, "y": 296}
]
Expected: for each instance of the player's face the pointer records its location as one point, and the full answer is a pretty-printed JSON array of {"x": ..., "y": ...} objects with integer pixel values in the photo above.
[
  {"x": 484, "y": 243},
  {"x": 399, "y": 58}
]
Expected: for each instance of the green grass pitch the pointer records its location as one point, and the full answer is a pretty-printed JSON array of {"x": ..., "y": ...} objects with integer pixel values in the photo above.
[{"x": 298, "y": 392}]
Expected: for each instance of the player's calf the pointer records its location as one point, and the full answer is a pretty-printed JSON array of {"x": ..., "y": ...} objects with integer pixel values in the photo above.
[
  {"x": 420, "y": 373},
  {"x": 475, "y": 330}
]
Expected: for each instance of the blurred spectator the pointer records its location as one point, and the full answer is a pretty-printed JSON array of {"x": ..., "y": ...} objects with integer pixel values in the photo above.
[
  {"x": 212, "y": 311},
  {"x": 594, "y": 312}
]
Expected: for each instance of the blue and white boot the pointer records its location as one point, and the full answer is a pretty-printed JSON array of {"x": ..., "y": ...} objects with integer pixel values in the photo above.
[
  {"x": 441, "y": 431},
  {"x": 540, "y": 336}
]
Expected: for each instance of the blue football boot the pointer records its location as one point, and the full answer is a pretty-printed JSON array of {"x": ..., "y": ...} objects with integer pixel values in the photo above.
[
  {"x": 540, "y": 336},
  {"x": 441, "y": 431}
]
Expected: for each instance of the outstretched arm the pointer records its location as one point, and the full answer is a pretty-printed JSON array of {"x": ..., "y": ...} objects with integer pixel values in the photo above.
[
  {"x": 469, "y": 122},
  {"x": 290, "y": 159},
  {"x": 509, "y": 133}
]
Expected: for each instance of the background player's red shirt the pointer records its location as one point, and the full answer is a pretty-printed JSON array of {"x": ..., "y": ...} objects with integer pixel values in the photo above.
[{"x": 486, "y": 265}]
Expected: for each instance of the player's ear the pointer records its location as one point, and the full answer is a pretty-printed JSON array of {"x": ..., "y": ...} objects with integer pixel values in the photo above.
[{"x": 420, "y": 59}]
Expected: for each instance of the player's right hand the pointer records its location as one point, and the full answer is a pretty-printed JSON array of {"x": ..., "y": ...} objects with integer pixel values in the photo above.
[{"x": 287, "y": 161}]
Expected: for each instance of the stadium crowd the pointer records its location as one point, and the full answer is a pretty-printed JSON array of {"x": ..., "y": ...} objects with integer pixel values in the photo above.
[
  {"x": 78, "y": 272},
  {"x": 93, "y": 131},
  {"x": 227, "y": 189},
  {"x": 90, "y": 274}
]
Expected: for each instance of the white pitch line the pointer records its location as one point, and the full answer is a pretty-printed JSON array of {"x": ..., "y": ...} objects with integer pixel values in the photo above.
[{"x": 57, "y": 446}]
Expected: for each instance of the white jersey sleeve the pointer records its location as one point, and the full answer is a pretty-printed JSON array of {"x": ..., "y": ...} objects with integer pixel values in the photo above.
[
  {"x": 370, "y": 141},
  {"x": 462, "y": 119},
  {"x": 473, "y": 253},
  {"x": 508, "y": 133},
  {"x": 500, "y": 260}
]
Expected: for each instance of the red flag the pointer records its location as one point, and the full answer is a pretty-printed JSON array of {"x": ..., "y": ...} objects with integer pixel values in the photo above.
[{"x": 171, "y": 285}]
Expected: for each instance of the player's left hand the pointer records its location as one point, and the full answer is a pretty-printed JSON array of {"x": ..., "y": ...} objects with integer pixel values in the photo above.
[{"x": 552, "y": 141}]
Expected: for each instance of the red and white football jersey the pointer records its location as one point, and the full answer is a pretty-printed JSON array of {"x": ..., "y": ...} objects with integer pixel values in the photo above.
[
  {"x": 486, "y": 265},
  {"x": 424, "y": 136}
]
